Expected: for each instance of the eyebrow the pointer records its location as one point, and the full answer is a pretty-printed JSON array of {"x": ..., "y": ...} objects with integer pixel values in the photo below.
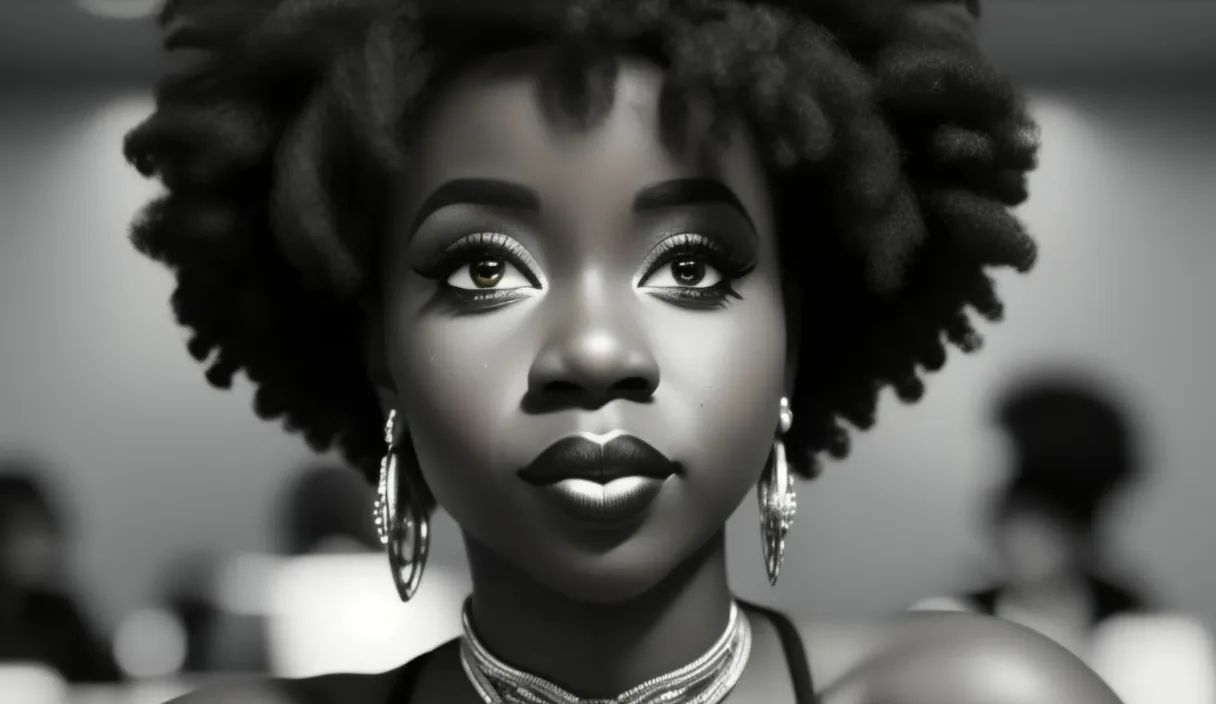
[
  {"x": 688, "y": 191},
  {"x": 489, "y": 192}
]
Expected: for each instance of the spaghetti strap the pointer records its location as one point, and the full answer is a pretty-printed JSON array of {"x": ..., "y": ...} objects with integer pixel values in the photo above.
[{"x": 795, "y": 653}]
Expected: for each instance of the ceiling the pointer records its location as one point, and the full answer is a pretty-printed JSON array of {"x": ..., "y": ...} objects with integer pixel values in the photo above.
[{"x": 1103, "y": 41}]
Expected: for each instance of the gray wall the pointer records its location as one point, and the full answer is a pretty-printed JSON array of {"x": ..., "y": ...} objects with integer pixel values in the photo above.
[{"x": 94, "y": 375}]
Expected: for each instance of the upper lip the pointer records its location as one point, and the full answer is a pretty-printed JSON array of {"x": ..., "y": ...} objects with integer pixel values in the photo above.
[{"x": 577, "y": 457}]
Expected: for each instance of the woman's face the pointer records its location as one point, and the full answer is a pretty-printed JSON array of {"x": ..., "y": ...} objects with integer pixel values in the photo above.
[
  {"x": 1036, "y": 546},
  {"x": 592, "y": 288}
]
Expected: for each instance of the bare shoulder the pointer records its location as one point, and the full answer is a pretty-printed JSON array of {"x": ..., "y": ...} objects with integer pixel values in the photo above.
[
  {"x": 948, "y": 658},
  {"x": 327, "y": 689}
]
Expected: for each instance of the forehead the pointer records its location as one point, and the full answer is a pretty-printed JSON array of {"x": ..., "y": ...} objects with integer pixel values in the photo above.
[{"x": 489, "y": 122}]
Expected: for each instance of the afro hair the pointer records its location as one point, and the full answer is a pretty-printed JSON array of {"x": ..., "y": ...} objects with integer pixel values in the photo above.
[{"x": 895, "y": 154}]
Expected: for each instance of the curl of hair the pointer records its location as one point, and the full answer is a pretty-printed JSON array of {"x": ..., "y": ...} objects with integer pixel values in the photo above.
[{"x": 895, "y": 153}]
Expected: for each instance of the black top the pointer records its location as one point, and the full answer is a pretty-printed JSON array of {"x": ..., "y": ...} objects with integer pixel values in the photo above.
[{"x": 791, "y": 643}]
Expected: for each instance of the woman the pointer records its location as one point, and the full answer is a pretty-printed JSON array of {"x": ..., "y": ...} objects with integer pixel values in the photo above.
[
  {"x": 580, "y": 255},
  {"x": 39, "y": 621},
  {"x": 1074, "y": 455}
]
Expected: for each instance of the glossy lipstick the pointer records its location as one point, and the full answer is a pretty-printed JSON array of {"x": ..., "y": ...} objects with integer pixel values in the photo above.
[{"x": 600, "y": 478}]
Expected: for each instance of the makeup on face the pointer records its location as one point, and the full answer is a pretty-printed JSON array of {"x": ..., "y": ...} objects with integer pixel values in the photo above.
[
  {"x": 473, "y": 237},
  {"x": 600, "y": 478}
]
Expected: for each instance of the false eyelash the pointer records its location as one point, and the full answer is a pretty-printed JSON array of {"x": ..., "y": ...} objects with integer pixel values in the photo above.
[
  {"x": 726, "y": 260},
  {"x": 482, "y": 245}
]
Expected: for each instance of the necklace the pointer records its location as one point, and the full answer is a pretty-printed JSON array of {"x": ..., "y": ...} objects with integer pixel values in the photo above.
[{"x": 706, "y": 680}]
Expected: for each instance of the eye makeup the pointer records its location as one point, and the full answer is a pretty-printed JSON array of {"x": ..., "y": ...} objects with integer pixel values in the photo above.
[
  {"x": 689, "y": 257},
  {"x": 700, "y": 241},
  {"x": 490, "y": 251}
]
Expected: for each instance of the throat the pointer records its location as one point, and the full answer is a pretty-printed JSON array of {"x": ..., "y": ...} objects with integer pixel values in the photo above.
[{"x": 599, "y": 651}]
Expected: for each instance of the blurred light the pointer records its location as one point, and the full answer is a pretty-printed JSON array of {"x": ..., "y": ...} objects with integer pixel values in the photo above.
[
  {"x": 340, "y": 613},
  {"x": 1157, "y": 658},
  {"x": 32, "y": 684},
  {"x": 150, "y": 643},
  {"x": 120, "y": 9},
  {"x": 244, "y": 584}
]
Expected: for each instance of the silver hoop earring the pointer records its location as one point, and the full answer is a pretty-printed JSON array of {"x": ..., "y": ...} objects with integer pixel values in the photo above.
[
  {"x": 405, "y": 533},
  {"x": 778, "y": 499}
]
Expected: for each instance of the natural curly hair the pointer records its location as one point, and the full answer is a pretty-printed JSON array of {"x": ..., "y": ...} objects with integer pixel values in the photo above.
[{"x": 894, "y": 152}]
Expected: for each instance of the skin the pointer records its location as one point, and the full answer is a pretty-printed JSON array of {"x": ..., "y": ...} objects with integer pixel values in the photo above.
[
  {"x": 1037, "y": 547},
  {"x": 598, "y": 348}
]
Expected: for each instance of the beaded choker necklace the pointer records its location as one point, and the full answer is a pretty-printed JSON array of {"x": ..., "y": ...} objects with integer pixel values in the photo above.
[{"x": 706, "y": 680}]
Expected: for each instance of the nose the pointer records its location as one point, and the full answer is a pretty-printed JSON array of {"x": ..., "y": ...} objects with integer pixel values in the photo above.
[{"x": 596, "y": 356}]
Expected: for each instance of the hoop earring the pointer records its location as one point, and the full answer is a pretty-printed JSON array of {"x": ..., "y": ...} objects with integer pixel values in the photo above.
[
  {"x": 406, "y": 535},
  {"x": 777, "y": 498}
]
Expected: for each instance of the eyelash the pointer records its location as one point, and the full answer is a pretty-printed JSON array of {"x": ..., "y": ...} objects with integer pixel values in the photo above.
[
  {"x": 730, "y": 264},
  {"x": 481, "y": 246}
]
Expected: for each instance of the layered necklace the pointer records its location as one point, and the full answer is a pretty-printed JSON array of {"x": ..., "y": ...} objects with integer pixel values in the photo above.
[{"x": 706, "y": 680}]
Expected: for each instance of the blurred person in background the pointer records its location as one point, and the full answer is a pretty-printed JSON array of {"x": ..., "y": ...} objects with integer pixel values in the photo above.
[
  {"x": 40, "y": 621},
  {"x": 190, "y": 595},
  {"x": 1074, "y": 455},
  {"x": 325, "y": 511}
]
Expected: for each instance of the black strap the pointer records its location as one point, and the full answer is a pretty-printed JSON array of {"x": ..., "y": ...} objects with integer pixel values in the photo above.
[
  {"x": 407, "y": 678},
  {"x": 795, "y": 653}
]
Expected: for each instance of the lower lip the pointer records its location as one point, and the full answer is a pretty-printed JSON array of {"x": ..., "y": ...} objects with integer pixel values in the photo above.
[{"x": 616, "y": 500}]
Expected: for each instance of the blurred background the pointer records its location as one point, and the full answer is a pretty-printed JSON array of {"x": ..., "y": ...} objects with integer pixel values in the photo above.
[{"x": 174, "y": 536}]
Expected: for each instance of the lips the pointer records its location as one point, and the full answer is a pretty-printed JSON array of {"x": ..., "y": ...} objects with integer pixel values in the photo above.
[
  {"x": 600, "y": 482},
  {"x": 578, "y": 457}
]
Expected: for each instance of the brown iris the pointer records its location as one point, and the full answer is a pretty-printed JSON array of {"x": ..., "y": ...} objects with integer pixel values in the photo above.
[
  {"x": 487, "y": 272},
  {"x": 688, "y": 272}
]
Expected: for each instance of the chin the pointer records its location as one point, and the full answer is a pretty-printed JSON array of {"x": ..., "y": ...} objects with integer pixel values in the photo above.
[
  {"x": 605, "y": 587},
  {"x": 612, "y": 575}
]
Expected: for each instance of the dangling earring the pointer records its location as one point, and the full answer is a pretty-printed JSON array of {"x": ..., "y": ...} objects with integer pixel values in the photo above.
[
  {"x": 406, "y": 534},
  {"x": 778, "y": 499}
]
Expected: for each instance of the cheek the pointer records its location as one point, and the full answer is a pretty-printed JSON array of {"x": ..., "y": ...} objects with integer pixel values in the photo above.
[
  {"x": 723, "y": 377},
  {"x": 461, "y": 380}
]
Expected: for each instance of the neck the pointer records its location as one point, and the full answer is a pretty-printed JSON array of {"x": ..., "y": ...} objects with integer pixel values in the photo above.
[
  {"x": 600, "y": 650},
  {"x": 1063, "y": 591}
]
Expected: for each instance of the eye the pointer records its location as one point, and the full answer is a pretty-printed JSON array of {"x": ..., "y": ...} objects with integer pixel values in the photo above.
[
  {"x": 684, "y": 271},
  {"x": 488, "y": 273}
]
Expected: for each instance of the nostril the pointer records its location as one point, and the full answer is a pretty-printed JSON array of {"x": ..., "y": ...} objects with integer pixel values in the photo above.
[
  {"x": 632, "y": 385},
  {"x": 561, "y": 388}
]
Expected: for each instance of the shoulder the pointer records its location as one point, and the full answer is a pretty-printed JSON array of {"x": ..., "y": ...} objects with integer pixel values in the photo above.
[
  {"x": 950, "y": 658},
  {"x": 942, "y": 603},
  {"x": 326, "y": 689}
]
